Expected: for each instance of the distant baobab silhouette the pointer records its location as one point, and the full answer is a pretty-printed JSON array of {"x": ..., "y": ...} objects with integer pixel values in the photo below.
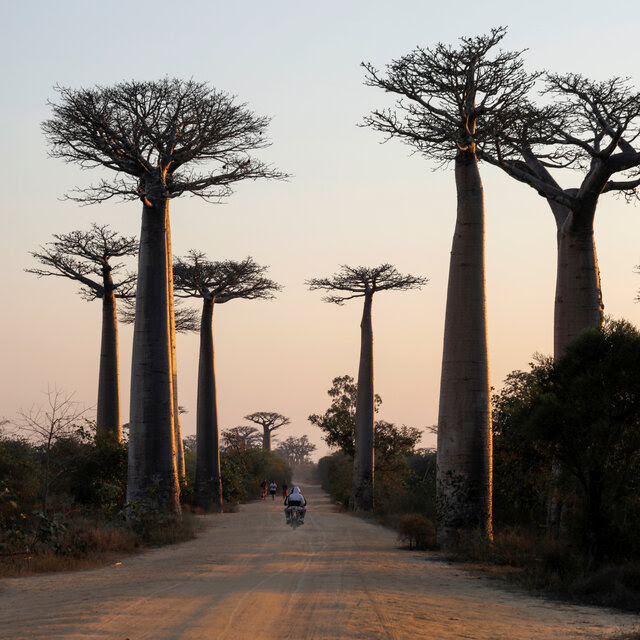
[
  {"x": 364, "y": 282},
  {"x": 269, "y": 421}
]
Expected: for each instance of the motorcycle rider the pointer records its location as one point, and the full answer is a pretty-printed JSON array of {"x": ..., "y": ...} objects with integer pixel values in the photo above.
[{"x": 295, "y": 499}]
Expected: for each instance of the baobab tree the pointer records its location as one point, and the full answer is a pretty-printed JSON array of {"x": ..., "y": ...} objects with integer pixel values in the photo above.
[
  {"x": 592, "y": 127},
  {"x": 186, "y": 320},
  {"x": 451, "y": 101},
  {"x": 364, "y": 282},
  {"x": 269, "y": 421},
  {"x": 296, "y": 451},
  {"x": 241, "y": 437},
  {"x": 87, "y": 257},
  {"x": 162, "y": 139},
  {"x": 214, "y": 283}
]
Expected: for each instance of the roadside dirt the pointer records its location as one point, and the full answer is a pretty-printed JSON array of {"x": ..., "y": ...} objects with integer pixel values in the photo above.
[{"x": 249, "y": 577}]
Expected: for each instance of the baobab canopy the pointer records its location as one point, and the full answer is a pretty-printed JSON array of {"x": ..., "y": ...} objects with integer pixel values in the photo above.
[{"x": 156, "y": 133}]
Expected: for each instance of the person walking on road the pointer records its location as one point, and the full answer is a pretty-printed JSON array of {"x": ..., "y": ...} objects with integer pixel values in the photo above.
[{"x": 272, "y": 490}]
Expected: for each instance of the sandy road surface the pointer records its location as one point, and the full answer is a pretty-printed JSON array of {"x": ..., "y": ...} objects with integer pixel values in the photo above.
[{"x": 249, "y": 577}]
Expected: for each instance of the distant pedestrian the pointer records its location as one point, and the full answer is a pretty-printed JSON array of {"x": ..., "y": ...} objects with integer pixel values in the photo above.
[
  {"x": 272, "y": 490},
  {"x": 285, "y": 486},
  {"x": 263, "y": 489}
]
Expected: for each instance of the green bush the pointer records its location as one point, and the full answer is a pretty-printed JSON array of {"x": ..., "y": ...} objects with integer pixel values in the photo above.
[{"x": 336, "y": 476}]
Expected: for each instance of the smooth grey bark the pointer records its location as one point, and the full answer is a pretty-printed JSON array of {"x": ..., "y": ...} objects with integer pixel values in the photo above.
[
  {"x": 108, "y": 425},
  {"x": 362, "y": 498},
  {"x": 578, "y": 299},
  {"x": 266, "y": 438},
  {"x": 464, "y": 422},
  {"x": 208, "y": 483},
  {"x": 152, "y": 479},
  {"x": 578, "y": 296}
]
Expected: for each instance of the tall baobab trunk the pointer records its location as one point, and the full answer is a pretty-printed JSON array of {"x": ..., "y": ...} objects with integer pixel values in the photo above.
[
  {"x": 152, "y": 480},
  {"x": 464, "y": 421},
  {"x": 363, "y": 460},
  {"x": 208, "y": 485},
  {"x": 578, "y": 303},
  {"x": 108, "y": 411},
  {"x": 578, "y": 306},
  {"x": 177, "y": 429},
  {"x": 266, "y": 438}
]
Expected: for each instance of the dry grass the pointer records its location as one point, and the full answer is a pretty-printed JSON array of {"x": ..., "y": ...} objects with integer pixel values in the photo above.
[
  {"x": 549, "y": 567},
  {"x": 85, "y": 544}
]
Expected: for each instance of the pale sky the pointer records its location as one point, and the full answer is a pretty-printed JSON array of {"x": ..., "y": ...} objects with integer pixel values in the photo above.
[{"x": 350, "y": 200}]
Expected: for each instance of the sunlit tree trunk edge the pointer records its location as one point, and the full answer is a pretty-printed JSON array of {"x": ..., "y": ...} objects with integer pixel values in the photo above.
[
  {"x": 177, "y": 428},
  {"x": 152, "y": 478}
]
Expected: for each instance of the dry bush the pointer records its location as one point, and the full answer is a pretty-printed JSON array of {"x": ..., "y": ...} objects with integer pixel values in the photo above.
[{"x": 417, "y": 530}]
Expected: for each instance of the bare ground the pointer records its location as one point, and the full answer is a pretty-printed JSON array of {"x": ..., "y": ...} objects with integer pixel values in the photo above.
[{"x": 249, "y": 577}]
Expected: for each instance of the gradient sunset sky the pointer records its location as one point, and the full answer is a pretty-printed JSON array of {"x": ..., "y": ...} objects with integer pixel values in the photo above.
[{"x": 350, "y": 199}]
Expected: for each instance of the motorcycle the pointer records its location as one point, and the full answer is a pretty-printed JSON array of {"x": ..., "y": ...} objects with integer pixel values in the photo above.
[{"x": 295, "y": 517}]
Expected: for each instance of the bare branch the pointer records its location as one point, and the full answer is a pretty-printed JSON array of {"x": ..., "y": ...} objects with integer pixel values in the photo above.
[
  {"x": 195, "y": 276},
  {"x": 451, "y": 99},
  {"x": 187, "y": 319},
  {"x": 85, "y": 256},
  {"x": 154, "y": 136},
  {"x": 355, "y": 282},
  {"x": 268, "y": 419}
]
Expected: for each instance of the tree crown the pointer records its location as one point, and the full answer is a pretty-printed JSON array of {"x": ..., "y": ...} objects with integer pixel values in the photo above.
[
  {"x": 592, "y": 126},
  {"x": 155, "y": 135},
  {"x": 79, "y": 255},
  {"x": 242, "y": 437},
  {"x": 451, "y": 99},
  {"x": 356, "y": 282},
  {"x": 195, "y": 276},
  {"x": 268, "y": 419}
]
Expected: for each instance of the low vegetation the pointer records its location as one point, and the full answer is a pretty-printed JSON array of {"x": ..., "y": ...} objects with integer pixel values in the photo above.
[
  {"x": 566, "y": 511},
  {"x": 85, "y": 520}
]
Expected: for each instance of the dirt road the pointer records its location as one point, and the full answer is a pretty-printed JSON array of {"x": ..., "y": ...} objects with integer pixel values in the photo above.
[{"x": 249, "y": 577}]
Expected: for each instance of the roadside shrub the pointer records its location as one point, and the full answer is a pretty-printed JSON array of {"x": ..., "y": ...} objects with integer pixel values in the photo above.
[
  {"x": 244, "y": 469},
  {"x": 417, "y": 530},
  {"x": 156, "y": 528},
  {"x": 336, "y": 476}
]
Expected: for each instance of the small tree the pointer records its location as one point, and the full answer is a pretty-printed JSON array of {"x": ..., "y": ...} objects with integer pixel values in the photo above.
[
  {"x": 583, "y": 409},
  {"x": 364, "y": 282},
  {"x": 49, "y": 423},
  {"x": 87, "y": 257},
  {"x": 157, "y": 137},
  {"x": 215, "y": 283},
  {"x": 338, "y": 423},
  {"x": 451, "y": 102},
  {"x": 269, "y": 421}
]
